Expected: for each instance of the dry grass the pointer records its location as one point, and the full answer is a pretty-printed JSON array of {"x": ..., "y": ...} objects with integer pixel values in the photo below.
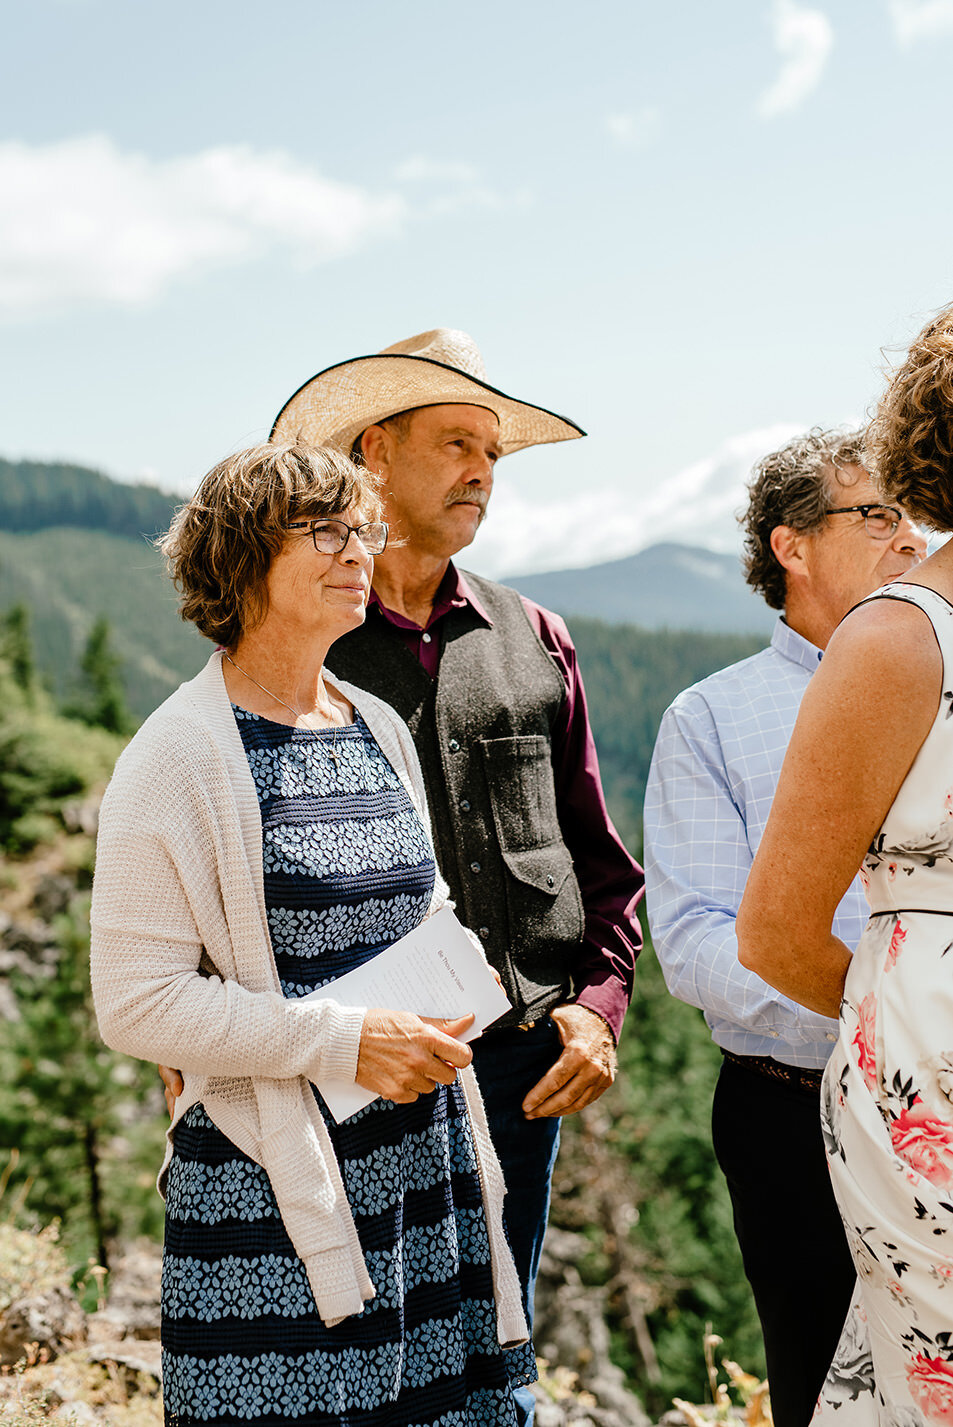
[
  {"x": 37, "y": 1392},
  {"x": 751, "y": 1394}
]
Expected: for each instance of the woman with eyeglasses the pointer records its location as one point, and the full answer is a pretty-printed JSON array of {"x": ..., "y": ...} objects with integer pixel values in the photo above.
[
  {"x": 265, "y": 832},
  {"x": 868, "y": 782}
]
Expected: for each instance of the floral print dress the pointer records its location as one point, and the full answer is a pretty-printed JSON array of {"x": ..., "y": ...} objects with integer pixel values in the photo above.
[{"x": 887, "y": 1099}]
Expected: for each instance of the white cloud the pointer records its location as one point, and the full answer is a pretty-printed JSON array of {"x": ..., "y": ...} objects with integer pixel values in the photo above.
[
  {"x": 635, "y": 129},
  {"x": 420, "y": 169},
  {"x": 698, "y": 506},
  {"x": 920, "y": 19},
  {"x": 83, "y": 221},
  {"x": 446, "y": 186},
  {"x": 803, "y": 38}
]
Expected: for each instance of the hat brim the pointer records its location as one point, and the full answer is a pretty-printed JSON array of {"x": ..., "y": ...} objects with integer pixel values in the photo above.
[{"x": 337, "y": 404}]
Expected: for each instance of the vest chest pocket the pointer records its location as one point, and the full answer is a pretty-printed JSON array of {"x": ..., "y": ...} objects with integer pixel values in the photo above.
[{"x": 519, "y": 776}]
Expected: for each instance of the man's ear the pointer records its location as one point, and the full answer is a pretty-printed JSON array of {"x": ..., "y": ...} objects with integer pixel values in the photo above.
[
  {"x": 375, "y": 444},
  {"x": 787, "y": 546}
]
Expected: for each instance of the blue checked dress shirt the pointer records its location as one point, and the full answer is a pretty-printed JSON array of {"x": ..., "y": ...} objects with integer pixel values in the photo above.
[{"x": 716, "y": 764}]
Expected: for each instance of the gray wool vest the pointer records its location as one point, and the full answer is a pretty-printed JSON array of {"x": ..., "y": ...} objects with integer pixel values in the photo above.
[{"x": 483, "y": 732}]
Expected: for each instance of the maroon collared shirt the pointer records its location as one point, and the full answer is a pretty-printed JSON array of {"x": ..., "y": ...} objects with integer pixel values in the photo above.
[{"x": 609, "y": 879}]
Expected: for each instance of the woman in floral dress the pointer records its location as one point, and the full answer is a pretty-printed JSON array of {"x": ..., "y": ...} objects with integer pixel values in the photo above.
[{"x": 868, "y": 781}]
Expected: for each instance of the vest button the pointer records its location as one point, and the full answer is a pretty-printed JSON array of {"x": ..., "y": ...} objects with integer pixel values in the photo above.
[
  {"x": 454, "y": 746},
  {"x": 475, "y": 867},
  {"x": 425, "y": 637},
  {"x": 550, "y": 881},
  {"x": 484, "y": 932},
  {"x": 464, "y": 805}
]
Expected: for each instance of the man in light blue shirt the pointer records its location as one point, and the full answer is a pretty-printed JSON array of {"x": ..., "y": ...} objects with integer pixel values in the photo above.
[{"x": 817, "y": 540}]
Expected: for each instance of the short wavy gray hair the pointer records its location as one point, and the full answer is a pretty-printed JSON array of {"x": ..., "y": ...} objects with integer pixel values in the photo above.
[
  {"x": 793, "y": 486},
  {"x": 221, "y": 543}
]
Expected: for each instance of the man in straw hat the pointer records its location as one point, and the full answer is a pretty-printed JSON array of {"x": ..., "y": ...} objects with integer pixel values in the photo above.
[{"x": 489, "y": 685}]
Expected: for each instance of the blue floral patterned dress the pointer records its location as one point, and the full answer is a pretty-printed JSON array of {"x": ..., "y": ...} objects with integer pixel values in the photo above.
[{"x": 348, "y": 869}]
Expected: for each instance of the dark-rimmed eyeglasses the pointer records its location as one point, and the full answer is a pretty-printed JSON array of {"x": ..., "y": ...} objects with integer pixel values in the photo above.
[
  {"x": 331, "y": 536},
  {"x": 880, "y": 521}
]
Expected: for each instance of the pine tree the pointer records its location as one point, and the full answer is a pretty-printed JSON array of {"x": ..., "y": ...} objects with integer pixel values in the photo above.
[
  {"x": 16, "y": 646},
  {"x": 102, "y": 700},
  {"x": 84, "y": 1119}
]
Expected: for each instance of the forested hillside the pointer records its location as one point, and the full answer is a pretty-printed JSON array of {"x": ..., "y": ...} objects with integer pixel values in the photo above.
[
  {"x": 631, "y": 676},
  {"x": 37, "y": 494},
  {"x": 69, "y": 577}
]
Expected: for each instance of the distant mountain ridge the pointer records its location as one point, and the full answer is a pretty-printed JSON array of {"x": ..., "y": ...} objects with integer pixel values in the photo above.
[
  {"x": 37, "y": 495},
  {"x": 667, "y": 586}
]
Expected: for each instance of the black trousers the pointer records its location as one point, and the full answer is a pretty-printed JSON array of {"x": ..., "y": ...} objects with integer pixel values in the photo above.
[{"x": 767, "y": 1138}]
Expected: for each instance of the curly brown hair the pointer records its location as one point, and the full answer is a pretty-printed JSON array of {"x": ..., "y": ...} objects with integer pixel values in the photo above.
[
  {"x": 910, "y": 440},
  {"x": 793, "y": 486},
  {"x": 221, "y": 543}
]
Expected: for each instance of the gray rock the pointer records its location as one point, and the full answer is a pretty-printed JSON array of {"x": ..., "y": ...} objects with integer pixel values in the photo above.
[
  {"x": 9, "y": 1010},
  {"x": 571, "y": 1330},
  {"x": 81, "y": 817},
  {"x": 77, "y": 1412},
  {"x": 548, "y": 1414},
  {"x": 32, "y": 937},
  {"x": 53, "y": 1319},
  {"x": 140, "y": 1360},
  {"x": 52, "y": 895},
  {"x": 134, "y": 1291}
]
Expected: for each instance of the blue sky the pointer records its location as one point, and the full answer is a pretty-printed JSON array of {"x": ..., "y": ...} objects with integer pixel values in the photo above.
[{"x": 692, "y": 228}]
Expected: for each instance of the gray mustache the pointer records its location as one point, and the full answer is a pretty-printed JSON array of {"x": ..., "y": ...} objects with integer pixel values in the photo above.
[{"x": 477, "y": 497}]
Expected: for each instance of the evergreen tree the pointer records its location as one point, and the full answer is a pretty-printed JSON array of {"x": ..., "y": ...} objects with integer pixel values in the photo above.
[
  {"x": 17, "y": 647},
  {"x": 64, "y": 1099},
  {"x": 102, "y": 700}
]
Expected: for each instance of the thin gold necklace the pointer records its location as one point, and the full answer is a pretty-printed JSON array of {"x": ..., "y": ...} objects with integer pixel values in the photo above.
[{"x": 298, "y": 713}]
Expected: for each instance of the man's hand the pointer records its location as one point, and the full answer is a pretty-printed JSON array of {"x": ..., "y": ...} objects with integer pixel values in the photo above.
[
  {"x": 583, "y": 1071},
  {"x": 174, "y": 1085}
]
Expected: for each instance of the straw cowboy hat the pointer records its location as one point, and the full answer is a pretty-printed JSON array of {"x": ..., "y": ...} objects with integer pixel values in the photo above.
[{"x": 437, "y": 368}]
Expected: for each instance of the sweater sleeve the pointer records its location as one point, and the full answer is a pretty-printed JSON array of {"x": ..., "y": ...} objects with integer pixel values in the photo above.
[{"x": 165, "y": 919}]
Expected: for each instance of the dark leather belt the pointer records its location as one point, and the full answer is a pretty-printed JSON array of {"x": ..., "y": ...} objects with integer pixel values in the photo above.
[{"x": 797, "y": 1075}]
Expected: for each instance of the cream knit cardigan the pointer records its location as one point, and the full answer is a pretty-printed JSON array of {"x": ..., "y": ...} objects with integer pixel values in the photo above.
[{"x": 183, "y": 974}]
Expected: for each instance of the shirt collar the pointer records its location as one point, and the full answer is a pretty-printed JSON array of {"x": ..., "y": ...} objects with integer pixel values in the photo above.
[
  {"x": 453, "y": 592},
  {"x": 791, "y": 645}
]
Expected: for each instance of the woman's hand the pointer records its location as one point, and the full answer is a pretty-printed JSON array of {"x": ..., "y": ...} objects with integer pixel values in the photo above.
[{"x": 402, "y": 1055}]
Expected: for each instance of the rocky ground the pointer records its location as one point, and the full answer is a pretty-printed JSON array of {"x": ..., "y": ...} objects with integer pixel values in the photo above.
[{"x": 61, "y": 1364}]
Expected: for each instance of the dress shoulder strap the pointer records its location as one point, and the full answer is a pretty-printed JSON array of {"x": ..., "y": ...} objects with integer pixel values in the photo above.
[{"x": 938, "y": 610}]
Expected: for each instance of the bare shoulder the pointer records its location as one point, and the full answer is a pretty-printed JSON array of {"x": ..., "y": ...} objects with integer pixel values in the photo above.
[
  {"x": 889, "y": 639},
  {"x": 880, "y": 678}
]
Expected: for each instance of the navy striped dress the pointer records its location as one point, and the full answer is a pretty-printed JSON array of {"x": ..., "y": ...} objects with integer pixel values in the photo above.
[{"x": 348, "y": 869}]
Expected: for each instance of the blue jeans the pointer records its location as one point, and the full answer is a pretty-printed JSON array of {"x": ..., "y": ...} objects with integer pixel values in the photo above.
[{"x": 508, "y": 1064}]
